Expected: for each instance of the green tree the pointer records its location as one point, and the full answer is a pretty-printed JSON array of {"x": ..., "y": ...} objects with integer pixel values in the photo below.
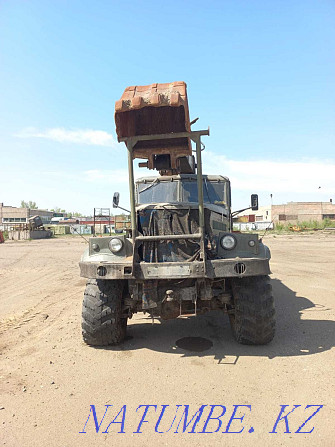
[
  {"x": 68, "y": 213},
  {"x": 32, "y": 205}
]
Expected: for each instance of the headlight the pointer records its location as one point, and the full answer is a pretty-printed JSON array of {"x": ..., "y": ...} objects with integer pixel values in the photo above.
[
  {"x": 228, "y": 242},
  {"x": 115, "y": 245},
  {"x": 251, "y": 243}
]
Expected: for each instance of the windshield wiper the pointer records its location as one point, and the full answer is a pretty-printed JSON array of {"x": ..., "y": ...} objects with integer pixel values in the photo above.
[{"x": 149, "y": 186}]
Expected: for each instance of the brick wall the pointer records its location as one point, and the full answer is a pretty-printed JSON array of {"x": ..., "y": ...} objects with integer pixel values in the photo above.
[
  {"x": 10, "y": 214},
  {"x": 302, "y": 211}
]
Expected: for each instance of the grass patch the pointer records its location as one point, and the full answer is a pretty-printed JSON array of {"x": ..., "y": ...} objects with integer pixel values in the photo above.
[{"x": 304, "y": 225}]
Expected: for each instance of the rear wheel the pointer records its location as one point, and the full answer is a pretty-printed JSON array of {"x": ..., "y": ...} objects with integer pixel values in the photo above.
[
  {"x": 102, "y": 320},
  {"x": 252, "y": 318}
]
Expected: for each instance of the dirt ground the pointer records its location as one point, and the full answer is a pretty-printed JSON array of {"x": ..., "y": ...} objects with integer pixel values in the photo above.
[{"x": 50, "y": 378}]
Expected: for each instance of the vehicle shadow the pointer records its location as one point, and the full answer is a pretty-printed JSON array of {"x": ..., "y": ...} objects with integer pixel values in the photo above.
[{"x": 294, "y": 336}]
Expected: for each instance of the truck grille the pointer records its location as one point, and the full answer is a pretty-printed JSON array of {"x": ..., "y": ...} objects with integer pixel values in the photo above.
[{"x": 157, "y": 222}]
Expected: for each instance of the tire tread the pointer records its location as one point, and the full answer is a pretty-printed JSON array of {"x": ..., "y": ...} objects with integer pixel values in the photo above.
[
  {"x": 253, "y": 322},
  {"x": 102, "y": 321}
]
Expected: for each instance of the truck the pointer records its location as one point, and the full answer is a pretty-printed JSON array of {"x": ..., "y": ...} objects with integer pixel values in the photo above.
[{"x": 181, "y": 257}]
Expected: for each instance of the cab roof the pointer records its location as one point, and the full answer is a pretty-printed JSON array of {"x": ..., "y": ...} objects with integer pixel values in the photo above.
[{"x": 167, "y": 178}]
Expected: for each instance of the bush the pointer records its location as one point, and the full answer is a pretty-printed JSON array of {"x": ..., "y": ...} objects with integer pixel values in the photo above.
[
  {"x": 279, "y": 226},
  {"x": 283, "y": 227},
  {"x": 328, "y": 223}
]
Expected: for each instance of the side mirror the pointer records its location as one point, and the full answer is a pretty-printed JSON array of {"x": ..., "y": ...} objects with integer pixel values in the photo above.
[
  {"x": 254, "y": 202},
  {"x": 116, "y": 199}
]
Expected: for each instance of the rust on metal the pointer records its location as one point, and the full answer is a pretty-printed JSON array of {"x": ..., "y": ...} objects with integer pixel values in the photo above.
[{"x": 151, "y": 110}]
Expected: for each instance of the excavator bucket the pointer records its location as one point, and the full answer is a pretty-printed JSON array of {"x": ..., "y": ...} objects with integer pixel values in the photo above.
[{"x": 151, "y": 110}]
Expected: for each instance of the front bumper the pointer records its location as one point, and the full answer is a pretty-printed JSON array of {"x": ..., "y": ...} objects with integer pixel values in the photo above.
[{"x": 218, "y": 268}]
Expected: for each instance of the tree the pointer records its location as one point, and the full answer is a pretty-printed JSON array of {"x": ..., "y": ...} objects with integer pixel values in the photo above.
[
  {"x": 68, "y": 213},
  {"x": 30, "y": 204},
  {"x": 72, "y": 214}
]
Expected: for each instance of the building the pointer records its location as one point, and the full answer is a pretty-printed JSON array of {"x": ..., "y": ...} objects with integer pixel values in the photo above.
[
  {"x": 293, "y": 212},
  {"x": 263, "y": 214},
  {"x": 253, "y": 220},
  {"x": 104, "y": 225},
  {"x": 11, "y": 215}
]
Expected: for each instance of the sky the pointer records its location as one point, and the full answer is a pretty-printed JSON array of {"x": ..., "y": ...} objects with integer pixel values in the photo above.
[{"x": 260, "y": 74}]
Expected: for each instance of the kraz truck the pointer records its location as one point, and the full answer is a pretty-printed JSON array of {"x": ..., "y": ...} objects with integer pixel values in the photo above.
[{"x": 181, "y": 256}]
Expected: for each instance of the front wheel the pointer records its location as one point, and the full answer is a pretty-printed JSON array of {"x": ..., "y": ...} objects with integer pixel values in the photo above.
[
  {"x": 102, "y": 320},
  {"x": 252, "y": 317}
]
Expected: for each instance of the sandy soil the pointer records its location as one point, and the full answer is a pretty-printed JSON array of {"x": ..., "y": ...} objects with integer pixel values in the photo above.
[{"x": 50, "y": 378}]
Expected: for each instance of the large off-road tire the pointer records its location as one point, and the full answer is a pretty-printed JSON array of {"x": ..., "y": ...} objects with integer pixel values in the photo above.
[
  {"x": 252, "y": 317},
  {"x": 102, "y": 320}
]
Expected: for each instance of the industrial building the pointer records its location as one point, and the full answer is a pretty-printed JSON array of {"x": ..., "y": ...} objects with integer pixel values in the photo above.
[
  {"x": 14, "y": 218},
  {"x": 291, "y": 212},
  {"x": 294, "y": 212},
  {"x": 11, "y": 215}
]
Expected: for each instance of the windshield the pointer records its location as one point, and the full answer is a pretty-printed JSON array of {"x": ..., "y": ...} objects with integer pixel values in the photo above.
[
  {"x": 157, "y": 192},
  {"x": 214, "y": 192},
  {"x": 186, "y": 190}
]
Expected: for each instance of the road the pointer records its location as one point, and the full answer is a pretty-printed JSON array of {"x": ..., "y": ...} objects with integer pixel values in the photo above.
[{"x": 52, "y": 383}]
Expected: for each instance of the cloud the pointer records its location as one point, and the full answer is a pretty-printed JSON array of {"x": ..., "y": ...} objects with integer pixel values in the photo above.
[
  {"x": 286, "y": 180},
  {"x": 76, "y": 136},
  {"x": 303, "y": 177},
  {"x": 93, "y": 183}
]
